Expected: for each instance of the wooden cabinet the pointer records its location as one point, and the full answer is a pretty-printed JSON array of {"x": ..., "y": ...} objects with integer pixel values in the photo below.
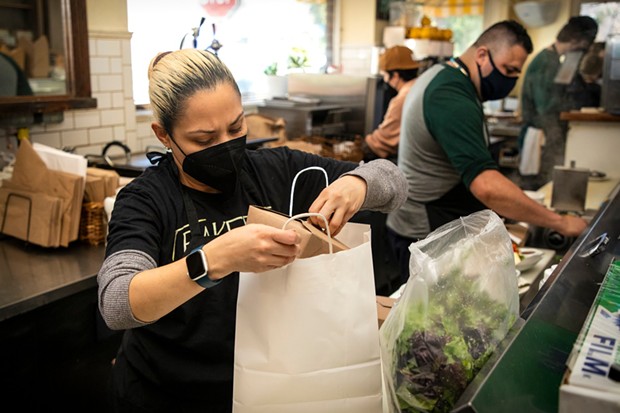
[{"x": 64, "y": 23}]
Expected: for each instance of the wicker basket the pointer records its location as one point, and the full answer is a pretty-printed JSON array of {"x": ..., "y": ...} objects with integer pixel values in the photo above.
[{"x": 93, "y": 225}]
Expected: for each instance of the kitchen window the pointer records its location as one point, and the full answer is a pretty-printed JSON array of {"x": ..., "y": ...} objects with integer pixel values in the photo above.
[
  {"x": 463, "y": 17},
  {"x": 256, "y": 36}
]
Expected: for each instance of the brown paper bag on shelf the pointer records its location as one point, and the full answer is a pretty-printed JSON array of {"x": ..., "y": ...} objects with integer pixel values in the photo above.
[
  {"x": 95, "y": 190},
  {"x": 40, "y": 64},
  {"x": 30, "y": 173},
  {"x": 313, "y": 241},
  {"x": 64, "y": 187},
  {"x": 30, "y": 216},
  {"x": 74, "y": 190},
  {"x": 111, "y": 179}
]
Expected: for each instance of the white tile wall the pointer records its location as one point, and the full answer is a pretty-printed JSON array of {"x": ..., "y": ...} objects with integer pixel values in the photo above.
[
  {"x": 356, "y": 60},
  {"x": 88, "y": 130}
]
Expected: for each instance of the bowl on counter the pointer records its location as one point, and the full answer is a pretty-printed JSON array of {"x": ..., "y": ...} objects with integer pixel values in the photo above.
[
  {"x": 529, "y": 258},
  {"x": 536, "y": 196}
]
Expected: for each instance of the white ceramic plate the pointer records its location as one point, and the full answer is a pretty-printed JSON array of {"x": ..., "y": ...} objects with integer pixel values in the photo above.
[{"x": 530, "y": 257}]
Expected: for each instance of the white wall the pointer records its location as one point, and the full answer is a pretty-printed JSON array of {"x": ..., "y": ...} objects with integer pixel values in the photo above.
[{"x": 357, "y": 36}]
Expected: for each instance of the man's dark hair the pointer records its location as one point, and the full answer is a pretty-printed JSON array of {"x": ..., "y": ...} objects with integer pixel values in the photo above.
[
  {"x": 578, "y": 28},
  {"x": 405, "y": 74},
  {"x": 508, "y": 31}
]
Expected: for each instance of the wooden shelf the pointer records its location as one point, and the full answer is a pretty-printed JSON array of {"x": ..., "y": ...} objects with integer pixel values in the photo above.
[
  {"x": 589, "y": 117},
  {"x": 22, "y": 6}
]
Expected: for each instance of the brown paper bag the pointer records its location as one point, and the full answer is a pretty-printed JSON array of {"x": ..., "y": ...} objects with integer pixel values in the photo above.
[
  {"x": 40, "y": 58},
  {"x": 94, "y": 191},
  {"x": 313, "y": 241},
  {"x": 111, "y": 179},
  {"x": 30, "y": 173},
  {"x": 30, "y": 216},
  {"x": 74, "y": 190}
]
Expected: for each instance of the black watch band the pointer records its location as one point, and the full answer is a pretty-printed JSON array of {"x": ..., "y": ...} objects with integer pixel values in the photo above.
[{"x": 198, "y": 268}]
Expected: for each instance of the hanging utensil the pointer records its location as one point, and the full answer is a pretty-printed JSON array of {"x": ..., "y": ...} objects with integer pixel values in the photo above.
[{"x": 215, "y": 44}]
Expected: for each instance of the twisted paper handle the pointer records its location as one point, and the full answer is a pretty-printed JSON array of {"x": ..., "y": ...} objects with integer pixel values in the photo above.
[{"x": 313, "y": 214}]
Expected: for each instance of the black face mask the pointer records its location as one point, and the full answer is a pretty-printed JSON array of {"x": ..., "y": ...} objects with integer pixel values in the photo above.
[
  {"x": 217, "y": 166},
  {"x": 496, "y": 85},
  {"x": 388, "y": 89}
]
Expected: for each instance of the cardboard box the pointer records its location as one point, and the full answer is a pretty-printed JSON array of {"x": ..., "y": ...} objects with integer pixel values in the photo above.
[
  {"x": 313, "y": 241},
  {"x": 384, "y": 305},
  {"x": 592, "y": 380},
  {"x": 577, "y": 399}
]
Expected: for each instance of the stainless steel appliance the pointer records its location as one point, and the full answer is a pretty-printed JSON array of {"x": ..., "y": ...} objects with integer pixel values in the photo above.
[{"x": 610, "y": 93}]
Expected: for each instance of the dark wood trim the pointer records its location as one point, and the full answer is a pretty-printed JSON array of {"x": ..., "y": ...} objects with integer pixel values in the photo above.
[
  {"x": 44, "y": 104},
  {"x": 77, "y": 66}
]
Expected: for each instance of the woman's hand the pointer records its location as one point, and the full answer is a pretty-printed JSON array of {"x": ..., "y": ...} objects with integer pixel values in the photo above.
[
  {"x": 251, "y": 248},
  {"x": 339, "y": 202}
]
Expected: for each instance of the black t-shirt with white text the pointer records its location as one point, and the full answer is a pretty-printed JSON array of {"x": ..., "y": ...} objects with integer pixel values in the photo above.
[{"x": 189, "y": 353}]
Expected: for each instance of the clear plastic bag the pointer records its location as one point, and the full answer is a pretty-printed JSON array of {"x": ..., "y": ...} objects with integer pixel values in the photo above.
[{"x": 458, "y": 304}]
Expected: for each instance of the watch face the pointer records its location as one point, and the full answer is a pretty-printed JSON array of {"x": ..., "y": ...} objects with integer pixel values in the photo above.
[{"x": 195, "y": 264}]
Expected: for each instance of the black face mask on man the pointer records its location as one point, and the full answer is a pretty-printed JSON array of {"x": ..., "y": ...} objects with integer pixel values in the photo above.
[
  {"x": 496, "y": 85},
  {"x": 217, "y": 166}
]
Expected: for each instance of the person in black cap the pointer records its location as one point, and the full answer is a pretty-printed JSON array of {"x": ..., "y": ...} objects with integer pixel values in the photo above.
[{"x": 542, "y": 99}]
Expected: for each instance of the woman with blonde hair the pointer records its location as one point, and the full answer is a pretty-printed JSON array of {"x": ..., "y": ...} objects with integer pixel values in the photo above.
[{"x": 177, "y": 236}]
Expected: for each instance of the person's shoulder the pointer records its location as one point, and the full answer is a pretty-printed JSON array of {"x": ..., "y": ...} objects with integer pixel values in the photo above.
[
  {"x": 275, "y": 156},
  {"x": 154, "y": 180},
  {"x": 268, "y": 153},
  {"x": 451, "y": 81},
  {"x": 543, "y": 57}
]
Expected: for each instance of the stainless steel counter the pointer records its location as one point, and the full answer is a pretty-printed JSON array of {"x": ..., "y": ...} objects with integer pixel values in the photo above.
[
  {"x": 525, "y": 372},
  {"x": 32, "y": 276}
]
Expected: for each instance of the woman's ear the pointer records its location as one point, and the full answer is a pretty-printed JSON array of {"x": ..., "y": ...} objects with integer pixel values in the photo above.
[{"x": 161, "y": 134}]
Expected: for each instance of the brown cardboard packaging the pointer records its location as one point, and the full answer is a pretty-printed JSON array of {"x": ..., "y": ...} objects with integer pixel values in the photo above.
[
  {"x": 384, "y": 305},
  {"x": 30, "y": 216},
  {"x": 313, "y": 241},
  {"x": 110, "y": 178},
  {"x": 31, "y": 175},
  {"x": 94, "y": 191},
  {"x": 40, "y": 64}
]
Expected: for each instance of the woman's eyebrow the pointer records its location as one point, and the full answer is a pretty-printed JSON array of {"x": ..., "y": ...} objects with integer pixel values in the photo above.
[{"x": 237, "y": 119}]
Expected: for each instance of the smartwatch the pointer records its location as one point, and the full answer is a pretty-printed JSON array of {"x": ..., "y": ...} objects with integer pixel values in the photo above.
[{"x": 198, "y": 269}]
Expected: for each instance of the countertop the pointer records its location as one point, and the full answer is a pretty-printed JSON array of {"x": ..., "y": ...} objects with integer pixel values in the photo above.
[
  {"x": 589, "y": 116},
  {"x": 598, "y": 192},
  {"x": 529, "y": 280},
  {"x": 32, "y": 276}
]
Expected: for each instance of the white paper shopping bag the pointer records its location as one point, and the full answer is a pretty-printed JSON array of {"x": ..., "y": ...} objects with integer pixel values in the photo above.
[{"x": 307, "y": 338}]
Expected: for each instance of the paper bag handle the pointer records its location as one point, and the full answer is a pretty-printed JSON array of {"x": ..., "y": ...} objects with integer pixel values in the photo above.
[
  {"x": 313, "y": 214},
  {"x": 317, "y": 168}
]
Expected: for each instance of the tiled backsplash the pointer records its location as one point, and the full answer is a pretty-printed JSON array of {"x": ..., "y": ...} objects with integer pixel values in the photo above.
[{"x": 88, "y": 130}]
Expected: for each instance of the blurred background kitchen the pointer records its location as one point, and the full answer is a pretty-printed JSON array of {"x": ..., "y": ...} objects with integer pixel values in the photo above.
[{"x": 74, "y": 84}]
